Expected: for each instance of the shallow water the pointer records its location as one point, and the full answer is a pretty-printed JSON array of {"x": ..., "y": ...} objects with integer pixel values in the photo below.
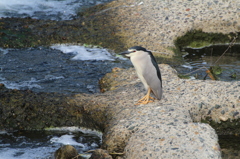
[
  {"x": 61, "y": 68},
  {"x": 230, "y": 146},
  {"x": 197, "y": 61},
  {"x": 47, "y": 69},
  {"x": 45, "y": 9},
  {"x": 43, "y": 144}
]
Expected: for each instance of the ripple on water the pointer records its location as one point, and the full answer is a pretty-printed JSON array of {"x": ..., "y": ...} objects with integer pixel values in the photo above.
[
  {"x": 63, "y": 69},
  {"x": 43, "y": 144},
  {"x": 45, "y": 9},
  {"x": 197, "y": 61}
]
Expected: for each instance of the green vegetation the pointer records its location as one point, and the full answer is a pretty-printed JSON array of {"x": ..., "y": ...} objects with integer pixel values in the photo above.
[
  {"x": 197, "y": 39},
  {"x": 15, "y": 39},
  {"x": 183, "y": 76},
  {"x": 216, "y": 70}
]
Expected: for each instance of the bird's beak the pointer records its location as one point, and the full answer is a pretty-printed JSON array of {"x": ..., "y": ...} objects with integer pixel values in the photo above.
[{"x": 125, "y": 52}]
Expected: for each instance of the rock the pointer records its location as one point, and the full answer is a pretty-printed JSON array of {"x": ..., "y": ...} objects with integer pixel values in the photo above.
[
  {"x": 27, "y": 110},
  {"x": 100, "y": 154},
  {"x": 125, "y": 126},
  {"x": 67, "y": 152},
  {"x": 167, "y": 127}
]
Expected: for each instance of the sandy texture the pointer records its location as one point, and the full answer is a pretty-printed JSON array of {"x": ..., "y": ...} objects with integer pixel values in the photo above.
[{"x": 155, "y": 24}]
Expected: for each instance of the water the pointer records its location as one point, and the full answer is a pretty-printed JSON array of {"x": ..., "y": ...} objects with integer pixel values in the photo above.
[
  {"x": 230, "y": 146},
  {"x": 45, "y": 9},
  {"x": 230, "y": 63},
  {"x": 70, "y": 69},
  {"x": 59, "y": 68},
  {"x": 197, "y": 61},
  {"x": 64, "y": 68},
  {"x": 43, "y": 144}
]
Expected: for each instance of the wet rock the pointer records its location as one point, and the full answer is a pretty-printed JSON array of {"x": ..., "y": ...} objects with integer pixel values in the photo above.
[
  {"x": 123, "y": 24},
  {"x": 100, "y": 154},
  {"x": 26, "y": 110},
  {"x": 67, "y": 152},
  {"x": 123, "y": 124}
]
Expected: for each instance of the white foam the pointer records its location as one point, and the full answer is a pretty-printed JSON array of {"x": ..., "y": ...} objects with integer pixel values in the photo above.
[
  {"x": 4, "y": 51},
  {"x": 84, "y": 53},
  {"x": 192, "y": 77},
  {"x": 18, "y": 85},
  {"x": 25, "y": 153},
  {"x": 26, "y": 150},
  {"x": 30, "y": 84},
  {"x": 63, "y": 8},
  {"x": 187, "y": 66},
  {"x": 43, "y": 9},
  {"x": 52, "y": 77},
  {"x": 76, "y": 129},
  {"x": 3, "y": 132},
  {"x": 66, "y": 140}
]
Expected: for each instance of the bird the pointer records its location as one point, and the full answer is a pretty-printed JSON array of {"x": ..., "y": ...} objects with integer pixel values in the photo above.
[{"x": 147, "y": 70}]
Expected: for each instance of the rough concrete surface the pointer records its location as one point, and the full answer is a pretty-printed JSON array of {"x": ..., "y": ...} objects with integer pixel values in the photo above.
[
  {"x": 155, "y": 24},
  {"x": 168, "y": 128}
]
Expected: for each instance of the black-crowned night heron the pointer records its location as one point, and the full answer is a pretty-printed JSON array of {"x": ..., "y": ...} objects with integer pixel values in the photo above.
[{"x": 148, "y": 72}]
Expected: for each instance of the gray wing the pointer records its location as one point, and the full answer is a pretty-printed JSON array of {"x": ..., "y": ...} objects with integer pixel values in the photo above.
[{"x": 153, "y": 78}]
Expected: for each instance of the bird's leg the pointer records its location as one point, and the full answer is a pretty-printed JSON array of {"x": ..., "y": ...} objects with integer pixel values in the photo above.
[{"x": 146, "y": 99}]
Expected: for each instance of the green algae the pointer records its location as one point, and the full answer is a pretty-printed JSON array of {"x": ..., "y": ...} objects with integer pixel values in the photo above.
[
  {"x": 89, "y": 28},
  {"x": 223, "y": 127},
  {"x": 184, "y": 76},
  {"x": 17, "y": 39},
  {"x": 26, "y": 110},
  {"x": 198, "y": 39}
]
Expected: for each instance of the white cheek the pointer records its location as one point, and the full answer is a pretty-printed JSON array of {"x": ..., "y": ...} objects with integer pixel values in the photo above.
[{"x": 130, "y": 55}]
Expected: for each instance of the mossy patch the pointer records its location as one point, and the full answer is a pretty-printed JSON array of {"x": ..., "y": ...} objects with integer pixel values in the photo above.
[
  {"x": 223, "y": 127},
  {"x": 16, "y": 39},
  {"x": 199, "y": 44},
  {"x": 26, "y": 110},
  {"x": 198, "y": 39},
  {"x": 184, "y": 76}
]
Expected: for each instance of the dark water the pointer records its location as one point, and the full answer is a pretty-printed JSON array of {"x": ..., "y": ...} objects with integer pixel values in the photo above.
[
  {"x": 197, "y": 61},
  {"x": 48, "y": 70},
  {"x": 44, "y": 69},
  {"x": 46, "y": 9},
  {"x": 43, "y": 144},
  {"x": 230, "y": 146}
]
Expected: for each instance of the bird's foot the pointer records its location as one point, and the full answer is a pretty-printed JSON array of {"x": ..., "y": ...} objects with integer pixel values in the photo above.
[{"x": 145, "y": 100}]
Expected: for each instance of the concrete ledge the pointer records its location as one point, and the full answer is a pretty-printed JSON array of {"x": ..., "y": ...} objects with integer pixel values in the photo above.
[
  {"x": 165, "y": 128},
  {"x": 180, "y": 140},
  {"x": 156, "y": 24}
]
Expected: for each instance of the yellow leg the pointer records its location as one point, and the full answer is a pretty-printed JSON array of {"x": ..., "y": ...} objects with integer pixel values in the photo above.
[{"x": 146, "y": 99}]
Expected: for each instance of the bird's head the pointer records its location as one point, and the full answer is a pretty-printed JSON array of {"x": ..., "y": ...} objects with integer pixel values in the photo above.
[{"x": 132, "y": 51}]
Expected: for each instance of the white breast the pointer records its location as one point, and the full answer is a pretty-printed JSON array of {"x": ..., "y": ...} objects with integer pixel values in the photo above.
[{"x": 139, "y": 60}]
